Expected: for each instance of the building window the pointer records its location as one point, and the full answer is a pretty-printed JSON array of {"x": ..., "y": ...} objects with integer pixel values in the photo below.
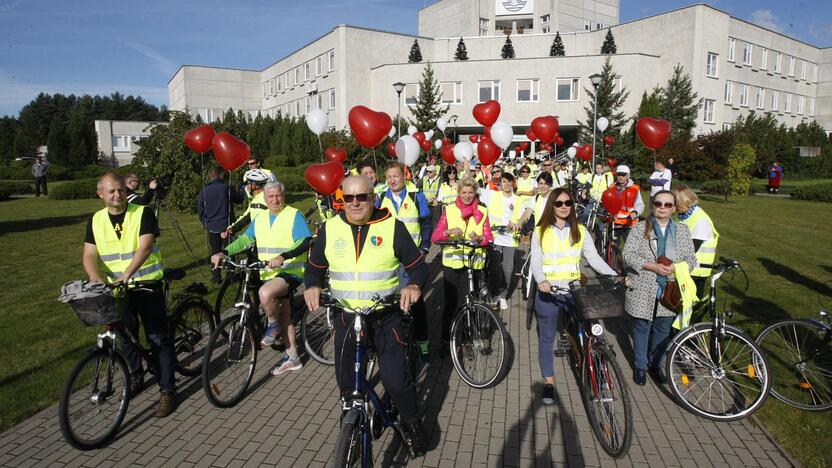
[
  {"x": 489, "y": 90},
  {"x": 331, "y": 99},
  {"x": 791, "y": 66},
  {"x": 726, "y": 126},
  {"x": 297, "y": 108},
  {"x": 122, "y": 142},
  {"x": 587, "y": 26},
  {"x": 744, "y": 95},
  {"x": 411, "y": 94},
  {"x": 815, "y": 72},
  {"x": 800, "y": 105},
  {"x": 761, "y": 98},
  {"x": 732, "y": 46},
  {"x": 273, "y": 86},
  {"x": 308, "y": 104},
  {"x": 803, "y": 70},
  {"x": 600, "y": 26},
  {"x": 747, "y": 53},
  {"x": 787, "y": 102},
  {"x": 778, "y": 61},
  {"x": 451, "y": 92},
  {"x": 265, "y": 88},
  {"x": 729, "y": 92},
  {"x": 331, "y": 60},
  {"x": 319, "y": 66},
  {"x": 528, "y": 90},
  {"x": 567, "y": 89},
  {"x": 764, "y": 59},
  {"x": 320, "y": 103},
  {"x": 280, "y": 83},
  {"x": 297, "y": 76},
  {"x": 812, "y": 106},
  {"x": 711, "y": 70},
  {"x": 775, "y": 97},
  {"x": 545, "y": 18},
  {"x": 483, "y": 27},
  {"x": 709, "y": 111},
  {"x": 306, "y": 71}
]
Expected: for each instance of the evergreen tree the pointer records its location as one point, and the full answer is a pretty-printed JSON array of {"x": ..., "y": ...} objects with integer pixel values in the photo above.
[
  {"x": 557, "y": 49},
  {"x": 650, "y": 104},
  {"x": 429, "y": 106},
  {"x": 610, "y": 101},
  {"x": 508, "y": 49},
  {"x": 608, "y": 48},
  {"x": 679, "y": 103},
  {"x": 415, "y": 52},
  {"x": 461, "y": 51},
  {"x": 58, "y": 143}
]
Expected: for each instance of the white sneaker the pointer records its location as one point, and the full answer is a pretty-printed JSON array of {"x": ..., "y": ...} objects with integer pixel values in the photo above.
[{"x": 503, "y": 303}]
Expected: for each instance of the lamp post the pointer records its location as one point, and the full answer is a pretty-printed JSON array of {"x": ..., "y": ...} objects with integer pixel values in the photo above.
[
  {"x": 399, "y": 87},
  {"x": 595, "y": 79}
]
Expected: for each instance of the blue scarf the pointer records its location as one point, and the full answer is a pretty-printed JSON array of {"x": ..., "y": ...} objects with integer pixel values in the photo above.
[
  {"x": 665, "y": 246},
  {"x": 687, "y": 214}
]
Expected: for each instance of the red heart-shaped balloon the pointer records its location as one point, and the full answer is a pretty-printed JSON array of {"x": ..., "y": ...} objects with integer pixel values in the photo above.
[
  {"x": 654, "y": 133},
  {"x": 546, "y": 128},
  {"x": 487, "y": 112},
  {"x": 336, "y": 154},
  {"x": 523, "y": 146},
  {"x": 369, "y": 127},
  {"x": 559, "y": 140},
  {"x": 447, "y": 152},
  {"x": 612, "y": 163},
  {"x": 487, "y": 151},
  {"x": 391, "y": 149},
  {"x": 230, "y": 152},
  {"x": 609, "y": 140},
  {"x": 199, "y": 139},
  {"x": 325, "y": 178},
  {"x": 611, "y": 200},
  {"x": 584, "y": 152},
  {"x": 445, "y": 141},
  {"x": 426, "y": 145},
  {"x": 530, "y": 135},
  {"x": 420, "y": 137},
  {"x": 474, "y": 138}
]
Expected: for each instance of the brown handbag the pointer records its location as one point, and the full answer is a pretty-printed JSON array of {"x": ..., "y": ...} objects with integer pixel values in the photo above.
[{"x": 671, "y": 296}]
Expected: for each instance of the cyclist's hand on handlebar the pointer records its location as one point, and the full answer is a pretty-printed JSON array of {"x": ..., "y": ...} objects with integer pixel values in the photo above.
[
  {"x": 475, "y": 237},
  {"x": 409, "y": 295},
  {"x": 216, "y": 259},
  {"x": 312, "y": 296},
  {"x": 455, "y": 232},
  {"x": 276, "y": 262},
  {"x": 544, "y": 287}
]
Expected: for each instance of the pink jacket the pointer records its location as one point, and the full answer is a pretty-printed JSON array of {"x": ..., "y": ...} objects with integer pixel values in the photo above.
[{"x": 467, "y": 212}]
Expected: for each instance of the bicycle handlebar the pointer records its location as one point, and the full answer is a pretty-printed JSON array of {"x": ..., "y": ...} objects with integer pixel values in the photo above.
[
  {"x": 379, "y": 303},
  {"x": 228, "y": 263},
  {"x": 458, "y": 242}
]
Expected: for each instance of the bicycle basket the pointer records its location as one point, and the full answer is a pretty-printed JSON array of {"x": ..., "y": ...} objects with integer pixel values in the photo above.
[
  {"x": 93, "y": 302},
  {"x": 598, "y": 299}
]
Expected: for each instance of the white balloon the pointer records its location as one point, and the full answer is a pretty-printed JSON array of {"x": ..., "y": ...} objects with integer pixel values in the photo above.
[
  {"x": 603, "y": 123},
  {"x": 572, "y": 151},
  {"x": 437, "y": 144},
  {"x": 501, "y": 134},
  {"x": 463, "y": 151},
  {"x": 316, "y": 120},
  {"x": 407, "y": 150},
  {"x": 392, "y": 132},
  {"x": 441, "y": 123},
  {"x": 576, "y": 144},
  {"x": 411, "y": 130},
  {"x": 429, "y": 134}
]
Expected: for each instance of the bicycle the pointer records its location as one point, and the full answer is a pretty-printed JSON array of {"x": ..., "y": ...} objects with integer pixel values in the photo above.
[
  {"x": 97, "y": 393},
  {"x": 716, "y": 370},
  {"x": 800, "y": 361},
  {"x": 368, "y": 415},
  {"x": 479, "y": 340},
  {"x": 607, "y": 241},
  {"x": 604, "y": 390}
]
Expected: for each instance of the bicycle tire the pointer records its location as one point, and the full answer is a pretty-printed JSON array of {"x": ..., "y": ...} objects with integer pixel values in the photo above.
[
  {"x": 318, "y": 335},
  {"x": 230, "y": 346},
  {"x": 526, "y": 279},
  {"x": 688, "y": 364},
  {"x": 229, "y": 294},
  {"x": 191, "y": 326},
  {"x": 473, "y": 333},
  {"x": 608, "y": 384},
  {"x": 787, "y": 344},
  {"x": 76, "y": 404},
  {"x": 349, "y": 449}
]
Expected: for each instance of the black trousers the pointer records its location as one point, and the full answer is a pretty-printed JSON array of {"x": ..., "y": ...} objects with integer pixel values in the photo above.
[
  {"x": 456, "y": 288},
  {"x": 150, "y": 306},
  {"x": 40, "y": 184},
  {"x": 383, "y": 332},
  {"x": 215, "y": 245}
]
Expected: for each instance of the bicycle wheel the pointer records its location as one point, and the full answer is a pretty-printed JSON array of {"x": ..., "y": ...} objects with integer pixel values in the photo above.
[
  {"x": 526, "y": 278},
  {"x": 614, "y": 259},
  {"x": 479, "y": 346},
  {"x": 349, "y": 449},
  {"x": 727, "y": 384},
  {"x": 799, "y": 357},
  {"x": 318, "y": 334},
  {"x": 607, "y": 401},
  {"x": 230, "y": 359},
  {"x": 228, "y": 295},
  {"x": 191, "y": 326},
  {"x": 94, "y": 400}
]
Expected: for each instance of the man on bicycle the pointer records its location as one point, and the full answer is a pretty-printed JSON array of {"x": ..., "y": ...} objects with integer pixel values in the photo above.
[
  {"x": 363, "y": 249},
  {"x": 282, "y": 238},
  {"x": 120, "y": 245},
  {"x": 255, "y": 179}
]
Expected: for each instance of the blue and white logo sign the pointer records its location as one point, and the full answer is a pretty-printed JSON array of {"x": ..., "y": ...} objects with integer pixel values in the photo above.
[{"x": 513, "y": 7}]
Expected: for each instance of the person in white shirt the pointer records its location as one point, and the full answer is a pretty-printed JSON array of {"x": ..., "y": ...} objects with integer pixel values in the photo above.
[
  {"x": 660, "y": 178},
  {"x": 562, "y": 177}
]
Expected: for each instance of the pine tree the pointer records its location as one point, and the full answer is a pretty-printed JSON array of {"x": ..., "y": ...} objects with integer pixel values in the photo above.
[
  {"x": 650, "y": 104},
  {"x": 415, "y": 52},
  {"x": 679, "y": 103},
  {"x": 608, "y": 48},
  {"x": 429, "y": 106},
  {"x": 57, "y": 142},
  {"x": 461, "y": 51},
  {"x": 508, "y": 49},
  {"x": 557, "y": 49},
  {"x": 610, "y": 101}
]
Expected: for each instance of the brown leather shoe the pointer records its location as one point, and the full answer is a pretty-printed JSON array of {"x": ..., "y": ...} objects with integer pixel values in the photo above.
[{"x": 166, "y": 405}]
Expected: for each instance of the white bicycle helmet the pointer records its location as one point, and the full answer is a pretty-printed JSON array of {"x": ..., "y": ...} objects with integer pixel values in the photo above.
[{"x": 256, "y": 176}]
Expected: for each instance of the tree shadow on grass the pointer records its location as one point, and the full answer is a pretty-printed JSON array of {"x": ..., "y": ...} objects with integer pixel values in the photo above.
[
  {"x": 794, "y": 276},
  {"x": 27, "y": 225}
]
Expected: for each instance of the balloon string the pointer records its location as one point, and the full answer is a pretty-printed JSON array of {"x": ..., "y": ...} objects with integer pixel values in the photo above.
[{"x": 321, "y": 148}]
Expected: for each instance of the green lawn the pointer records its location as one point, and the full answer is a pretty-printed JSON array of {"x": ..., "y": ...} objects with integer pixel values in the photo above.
[{"x": 42, "y": 338}]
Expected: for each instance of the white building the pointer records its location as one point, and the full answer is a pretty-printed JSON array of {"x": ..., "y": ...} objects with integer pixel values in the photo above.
[
  {"x": 736, "y": 67},
  {"x": 118, "y": 140}
]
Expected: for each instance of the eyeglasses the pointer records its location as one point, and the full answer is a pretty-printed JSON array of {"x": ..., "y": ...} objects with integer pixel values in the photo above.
[
  {"x": 560, "y": 203},
  {"x": 622, "y": 174},
  {"x": 547, "y": 165},
  {"x": 524, "y": 172},
  {"x": 659, "y": 204},
  {"x": 252, "y": 163},
  {"x": 361, "y": 197}
]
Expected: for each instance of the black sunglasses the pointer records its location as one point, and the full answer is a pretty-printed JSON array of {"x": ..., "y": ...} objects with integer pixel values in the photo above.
[
  {"x": 659, "y": 204},
  {"x": 560, "y": 203},
  {"x": 361, "y": 197}
]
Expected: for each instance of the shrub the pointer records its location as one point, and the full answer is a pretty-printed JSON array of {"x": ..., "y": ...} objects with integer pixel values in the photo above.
[
  {"x": 819, "y": 193},
  {"x": 75, "y": 190},
  {"x": 7, "y": 189},
  {"x": 715, "y": 187},
  {"x": 294, "y": 183},
  {"x": 88, "y": 172},
  {"x": 740, "y": 162}
]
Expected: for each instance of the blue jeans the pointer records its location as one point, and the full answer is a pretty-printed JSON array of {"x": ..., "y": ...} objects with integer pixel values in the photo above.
[
  {"x": 656, "y": 333},
  {"x": 548, "y": 308},
  {"x": 150, "y": 306}
]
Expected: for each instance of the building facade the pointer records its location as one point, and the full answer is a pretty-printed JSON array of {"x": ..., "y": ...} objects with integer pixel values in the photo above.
[
  {"x": 118, "y": 140},
  {"x": 736, "y": 67}
]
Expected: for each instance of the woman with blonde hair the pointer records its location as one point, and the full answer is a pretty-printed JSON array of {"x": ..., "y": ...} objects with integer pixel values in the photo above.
[{"x": 702, "y": 231}]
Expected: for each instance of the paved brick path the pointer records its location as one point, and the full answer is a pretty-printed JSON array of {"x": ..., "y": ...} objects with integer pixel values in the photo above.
[{"x": 292, "y": 421}]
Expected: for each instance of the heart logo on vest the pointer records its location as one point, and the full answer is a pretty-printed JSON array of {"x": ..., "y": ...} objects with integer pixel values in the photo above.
[
  {"x": 404, "y": 207},
  {"x": 376, "y": 241}
]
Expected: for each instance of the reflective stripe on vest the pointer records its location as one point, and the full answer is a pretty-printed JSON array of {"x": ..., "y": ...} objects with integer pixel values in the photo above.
[
  {"x": 447, "y": 194},
  {"x": 357, "y": 280},
  {"x": 275, "y": 238},
  {"x": 457, "y": 256},
  {"x": 707, "y": 251},
  {"x": 117, "y": 254},
  {"x": 628, "y": 200},
  {"x": 561, "y": 259},
  {"x": 408, "y": 214}
]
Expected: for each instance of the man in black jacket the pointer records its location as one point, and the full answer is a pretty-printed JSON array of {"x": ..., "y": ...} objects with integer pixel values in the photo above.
[
  {"x": 215, "y": 206},
  {"x": 132, "y": 182}
]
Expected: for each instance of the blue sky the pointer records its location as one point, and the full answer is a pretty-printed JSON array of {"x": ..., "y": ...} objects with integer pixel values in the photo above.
[{"x": 134, "y": 47}]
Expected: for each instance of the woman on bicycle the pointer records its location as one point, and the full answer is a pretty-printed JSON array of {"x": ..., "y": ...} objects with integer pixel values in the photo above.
[
  {"x": 463, "y": 219},
  {"x": 558, "y": 244},
  {"x": 702, "y": 231},
  {"x": 650, "y": 255},
  {"x": 448, "y": 190}
]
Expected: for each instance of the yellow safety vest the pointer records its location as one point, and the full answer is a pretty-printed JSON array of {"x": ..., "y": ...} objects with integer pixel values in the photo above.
[
  {"x": 561, "y": 260},
  {"x": 532, "y": 168},
  {"x": 431, "y": 189},
  {"x": 380, "y": 189},
  {"x": 497, "y": 215},
  {"x": 323, "y": 212},
  {"x": 117, "y": 254},
  {"x": 583, "y": 178},
  {"x": 275, "y": 238},
  {"x": 707, "y": 251},
  {"x": 408, "y": 213},
  {"x": 355, "y": 277},
  {"x": 447, "y": 194},
  {"x": 457, "y": 256},
  {"x": 600, "y": 183},
  {"x": 539, "y": 205},
  {"x": 525, "y": 185}
]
